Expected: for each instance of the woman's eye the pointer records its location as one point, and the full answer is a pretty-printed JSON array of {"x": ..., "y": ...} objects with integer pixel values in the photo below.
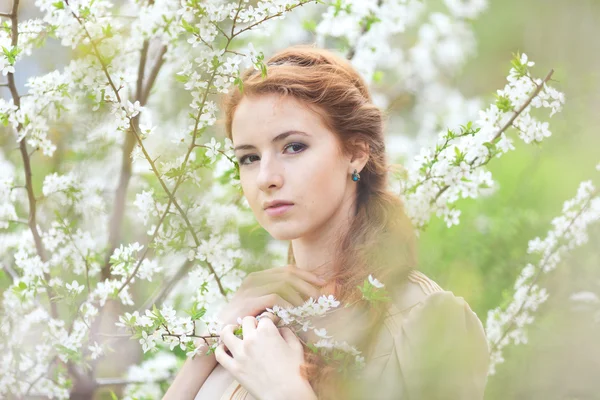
[
  {"x": 297, "y": 145},
  {"x": 243, "y": 159},
  {"x": 296, "y": 148}
]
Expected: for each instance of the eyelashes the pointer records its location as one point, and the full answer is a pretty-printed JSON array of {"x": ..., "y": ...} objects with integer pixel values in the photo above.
[{"x": 245, "y": 160}]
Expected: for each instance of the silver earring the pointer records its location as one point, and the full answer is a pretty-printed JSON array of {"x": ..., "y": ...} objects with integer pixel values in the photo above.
[{"x": 355, "y": 176}]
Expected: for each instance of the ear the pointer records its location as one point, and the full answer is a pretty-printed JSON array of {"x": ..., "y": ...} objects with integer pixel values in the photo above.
[{"x": 360, "y": 155}]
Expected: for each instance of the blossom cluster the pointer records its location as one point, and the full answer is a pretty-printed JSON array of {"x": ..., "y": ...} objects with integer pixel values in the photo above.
[
  {"x": 455, "y": 168},
  {"x": 508, "y": 324}
]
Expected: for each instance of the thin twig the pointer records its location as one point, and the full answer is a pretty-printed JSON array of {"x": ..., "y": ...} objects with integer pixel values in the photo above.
[
  {"x": 166, "y": 289},
  {"x": 537, "y": 276},
  {"x": 10, "y": 271},
  {"x": 122, "y": 381},
  {"x": 32, "y": 220},
  {"x": 116, "y": 220},
  {"x": 134, "y": 128},
  {"x": 352, "y": 51},
  {"x": 152, "y": 76},
  {"x": 507, "y": 125}
]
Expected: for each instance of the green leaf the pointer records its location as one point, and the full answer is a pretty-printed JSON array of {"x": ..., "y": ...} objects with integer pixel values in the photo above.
[
  {"x": 312, "y": 347},
  {"x": 378, "y": 76},
  {"x": 195, "y": 312},
  {"x": 71, "y": 354},
  {"x": 189, "y": 28},
  {"x": 107, "y": 31},
  {"x": 263, "y": 68},
  {"x": 59, "y": 5},
  {"x": 503, "y": 103},
  {"x": 238, "y": 331},
  {"x": 368, "y": 21},
  {"x": 182, "y": 78},
  {"x": 310, "y": 25},
  {"x": 239, "y": 83},
  {"x": 490, "y": 146}
]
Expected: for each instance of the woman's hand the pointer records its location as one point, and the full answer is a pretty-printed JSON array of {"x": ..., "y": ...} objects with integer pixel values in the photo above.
[
  {"x": 266, "y": 361},
  {"x": 285, "y": 286}
]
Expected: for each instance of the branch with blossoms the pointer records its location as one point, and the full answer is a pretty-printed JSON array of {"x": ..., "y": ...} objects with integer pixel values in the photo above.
[
  {"x": 100, "y": 76},
  {"x": 10, "y": 57},
  {"x": 455, "y": 167},
  {"x": 507, "y": 324},
  {"x": 131, "y": 111},
  {"x": 165, "y": 326}
]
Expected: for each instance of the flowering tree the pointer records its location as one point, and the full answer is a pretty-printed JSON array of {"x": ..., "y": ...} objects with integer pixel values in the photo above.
[{"x": 122, "y": 190}]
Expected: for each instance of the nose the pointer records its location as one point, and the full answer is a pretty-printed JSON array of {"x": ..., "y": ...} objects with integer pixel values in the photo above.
[{"x": 270, "y": 174}]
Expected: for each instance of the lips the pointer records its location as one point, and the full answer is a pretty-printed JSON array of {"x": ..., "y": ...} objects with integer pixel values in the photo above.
[
  {"x": 278, "y": 209},
  {"x": 277, "y": 203}
]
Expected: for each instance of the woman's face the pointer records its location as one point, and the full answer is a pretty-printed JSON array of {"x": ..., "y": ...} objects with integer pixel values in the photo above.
[{"x": 287, "y": 154}]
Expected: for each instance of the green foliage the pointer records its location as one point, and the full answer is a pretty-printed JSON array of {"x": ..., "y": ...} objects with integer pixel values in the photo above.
[
  {"x": 340, "y": 7},
  {"x": 11, "y": 54},
  {"x": 194, "y": 312},
  {"x": 521, "y": 68},
  {"x": 372, "y": 293},
  {"x": 503, "y": 103}
]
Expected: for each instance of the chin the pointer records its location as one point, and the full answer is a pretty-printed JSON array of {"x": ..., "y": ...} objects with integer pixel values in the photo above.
[
  {"x": 283, "y": 235},
  {"x": 284, "y": 232}
]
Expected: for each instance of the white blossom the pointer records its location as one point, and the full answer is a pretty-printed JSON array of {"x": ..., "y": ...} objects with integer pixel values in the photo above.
[
  {"x": 508, "y": 324},
  {"x": 74, "y": 287},
  {"x": 375, "y": 282}
]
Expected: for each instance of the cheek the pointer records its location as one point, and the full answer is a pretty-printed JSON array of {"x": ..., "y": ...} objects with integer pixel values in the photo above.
[
  {"x": 249, "y": 190},
  {"x": 323, "y": 187}
]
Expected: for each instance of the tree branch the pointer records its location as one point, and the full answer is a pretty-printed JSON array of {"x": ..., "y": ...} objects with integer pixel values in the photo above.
[
  {"x": 153, "y": 74},
  {"x": 122, "y": 381},
  {"x": 166, "y": 289},
  {"x": 352, "y": 51},
  {"x": 13, "y": 274},
  {"x": 32, "y": 220},
  {"x": 503, "y": 129},
  {"x": 116, "y": 220},
  {"x": 494, "y": 346}
]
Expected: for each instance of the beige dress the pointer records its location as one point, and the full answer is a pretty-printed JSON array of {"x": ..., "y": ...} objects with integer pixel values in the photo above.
[{"x": 432, "y": 346}]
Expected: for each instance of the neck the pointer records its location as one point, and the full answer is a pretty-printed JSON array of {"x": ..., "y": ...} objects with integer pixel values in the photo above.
[{"x": 316, "y": 252}]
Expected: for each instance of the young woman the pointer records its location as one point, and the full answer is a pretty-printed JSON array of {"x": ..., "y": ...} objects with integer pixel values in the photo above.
[{"x": 310, "y": 146}]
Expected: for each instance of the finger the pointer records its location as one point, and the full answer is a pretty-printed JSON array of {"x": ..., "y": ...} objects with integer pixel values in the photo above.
[
  {"x": 303, "y": 282},
  {"x": 248, "y": 325},
  {"x": 286, "y": 291},
  {"x": 303, "y": 287},
  {"x": 305, "y": 275},
  {"x": 232, "y": 342},
  {"x": 290, "y": 294},
  {"x": 270, "y": 300},
  {"x": 290, "y": 338},
  {"x": 223, "y": 358},
  {"x": 266, "y": 324},
  {"x": 267, "y": 275},
  {"x": 269, "y": 315}
]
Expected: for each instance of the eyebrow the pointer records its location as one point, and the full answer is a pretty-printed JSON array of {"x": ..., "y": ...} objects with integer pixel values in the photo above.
[{"x": 277, "y": 138}]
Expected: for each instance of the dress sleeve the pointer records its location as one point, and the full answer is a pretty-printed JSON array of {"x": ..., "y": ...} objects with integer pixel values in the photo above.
[{"x": 441, "y": 350}]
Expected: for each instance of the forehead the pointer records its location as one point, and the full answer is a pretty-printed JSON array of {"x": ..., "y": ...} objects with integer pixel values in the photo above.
[{"x": 264, "y": 116}]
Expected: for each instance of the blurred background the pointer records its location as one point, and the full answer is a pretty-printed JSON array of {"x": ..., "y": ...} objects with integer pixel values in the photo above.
[{"x": 481, "y": 257}]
